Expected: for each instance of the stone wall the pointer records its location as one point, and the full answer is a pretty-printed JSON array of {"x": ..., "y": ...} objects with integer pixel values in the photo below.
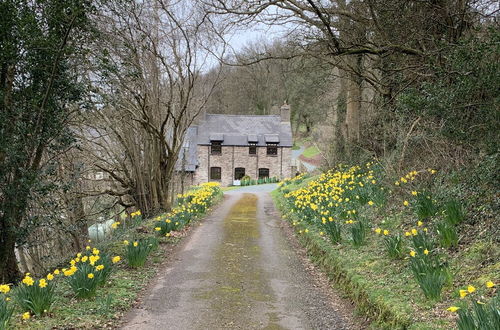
[{"x": 232, "y": 157}]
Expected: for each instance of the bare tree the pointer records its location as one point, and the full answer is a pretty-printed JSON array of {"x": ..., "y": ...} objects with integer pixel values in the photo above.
[{"x": 154, "y": 55}]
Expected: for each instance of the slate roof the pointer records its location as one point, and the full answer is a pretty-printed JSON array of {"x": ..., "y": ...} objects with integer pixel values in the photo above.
[{"x": 238, "y": 130}]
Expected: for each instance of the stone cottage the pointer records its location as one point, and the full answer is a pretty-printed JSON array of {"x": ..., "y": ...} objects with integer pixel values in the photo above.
[{"x": 225, "y": 148}]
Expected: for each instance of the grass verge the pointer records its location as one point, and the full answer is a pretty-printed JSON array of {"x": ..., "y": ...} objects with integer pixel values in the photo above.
[{"x": 383, "y": 289}]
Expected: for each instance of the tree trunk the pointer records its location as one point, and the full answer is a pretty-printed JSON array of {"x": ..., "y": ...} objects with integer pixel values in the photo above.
[
  {"x": 9, "y": 270},
  {"x": 354, "y": 104}
]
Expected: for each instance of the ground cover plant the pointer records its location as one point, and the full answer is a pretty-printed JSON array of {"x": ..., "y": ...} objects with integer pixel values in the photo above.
[{"x": 414, "y": 282}]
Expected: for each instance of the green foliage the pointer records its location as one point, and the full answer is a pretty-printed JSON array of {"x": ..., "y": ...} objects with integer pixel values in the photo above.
[
  {"x": 333, "y": 231},
  {"x": 454, "y": 213},
  {"x": 103, "y": 274},
  {"x": 460, "y": 93},
  {"x": 422, "y": 241},
  {"x": 430, "y": 274},
  {"x": 138, "y": 251},
  {"x": 447, "y": 234},
  {"x": 480, "y": 317},
  {"x": 166, "y": 226},
  {"x": 394, "y": 246},
  {"x": 425, "y": 207},
  {"x": 84, "y": 281},
  {"x": 5, "y": 313},
  {"x": 36, "y": 297},
  {"x": 358, "y": 233},
  {"x": 40, "y": 87},
  {"x": 311, "y": 152}
]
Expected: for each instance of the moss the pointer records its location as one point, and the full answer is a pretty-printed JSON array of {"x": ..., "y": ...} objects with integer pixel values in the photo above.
[{"x": 240, "y": 282}]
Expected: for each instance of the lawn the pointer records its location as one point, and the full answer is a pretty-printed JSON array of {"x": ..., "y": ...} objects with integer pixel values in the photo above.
[{"x": 311, "y": 152}]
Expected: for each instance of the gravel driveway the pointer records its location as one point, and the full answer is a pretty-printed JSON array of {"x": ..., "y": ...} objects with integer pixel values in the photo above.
[{"x": 237, "y": 271}]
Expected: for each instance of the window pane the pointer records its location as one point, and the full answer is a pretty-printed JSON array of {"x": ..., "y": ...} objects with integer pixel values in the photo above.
[
  {"x": 263, "y": 173},
  {"x": 215, "y": 173},
  {"x": 252, "y": 150},
  {"x": 272, "y": 151},
  {"x": 216, "y": 148},
  {"x": 239, "y": 172}
]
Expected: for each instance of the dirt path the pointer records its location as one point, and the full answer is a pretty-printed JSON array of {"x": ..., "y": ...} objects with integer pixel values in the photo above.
[{"x": 237, "y": 271}]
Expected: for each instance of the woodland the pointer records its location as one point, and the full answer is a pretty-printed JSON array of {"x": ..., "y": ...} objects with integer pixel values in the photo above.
[{"x": 96, "y": 96}]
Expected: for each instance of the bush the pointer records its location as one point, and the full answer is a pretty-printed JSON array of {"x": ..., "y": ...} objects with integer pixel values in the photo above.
[
  {"x": 35, "y": 296},
  {"x": 138, "y": 251}
]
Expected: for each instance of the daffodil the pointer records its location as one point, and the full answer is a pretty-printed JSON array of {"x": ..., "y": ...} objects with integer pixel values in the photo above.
[
  {"x": 4, "y": 288},
  {"x": 463, "y": 293},
  {"x": 490, "y": 284},
  {"x": 453, "y": 309},
  {"x": 116, "y": 259},
  {"x": 471, "y": 289},
  {"x": 90, "y": 275},
  {"x": 26, "y": 316}
]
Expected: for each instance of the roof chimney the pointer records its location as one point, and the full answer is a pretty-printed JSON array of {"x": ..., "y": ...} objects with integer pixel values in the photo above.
[{"x": 285, "y": 113}]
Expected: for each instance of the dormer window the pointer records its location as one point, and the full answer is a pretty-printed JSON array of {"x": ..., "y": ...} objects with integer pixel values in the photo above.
[
  {"x": 272, "y": 149},
  {"x": 216, "y": 148},
  {"x": 216, "y": 143}
]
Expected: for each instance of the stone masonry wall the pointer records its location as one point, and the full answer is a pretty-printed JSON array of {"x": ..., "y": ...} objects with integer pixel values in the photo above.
[{"x": 233, "y": 157}]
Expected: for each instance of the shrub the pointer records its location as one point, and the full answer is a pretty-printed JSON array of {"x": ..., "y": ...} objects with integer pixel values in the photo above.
[
  {"x": 483, "y": 317},
  {"x": 454, "y": 213},
  {"x": 447, "y": 234},
  {"x": 358, "y": 232},
  {"x": 138, "y": 251},
  {"x": 5, "y": 313},
  {"x": 35, "y": 296},
  {"x": 333, "y": 231},
  {"x": 430, "y": 274},
  {"x": 394, "y": 246}
]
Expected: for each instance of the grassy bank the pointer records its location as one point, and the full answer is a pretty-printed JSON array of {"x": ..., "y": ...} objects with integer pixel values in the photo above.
[
  {"x": 118, "y": 292},
  {"x": 382, "y": 287}
]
